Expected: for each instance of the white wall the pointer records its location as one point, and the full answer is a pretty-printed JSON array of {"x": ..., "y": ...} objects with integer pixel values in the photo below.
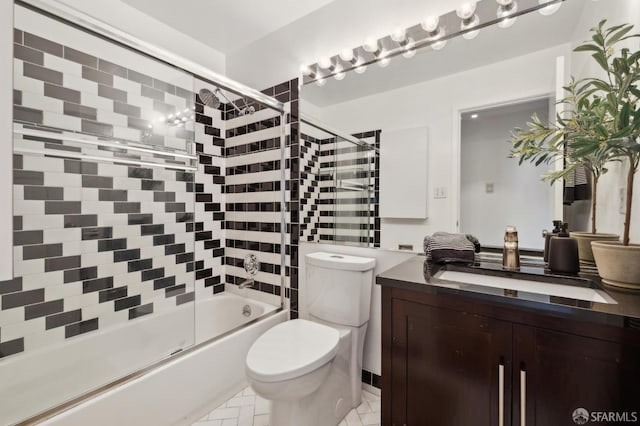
[
  {"x": 610, "y": 214},
  {"x": 519, "y": 197},
  {"x": 384, "y": 260},
  {"x": 6, "y": 139},
  {"x": 144, "y": 27},
  {"x": 435, "y": 104}
]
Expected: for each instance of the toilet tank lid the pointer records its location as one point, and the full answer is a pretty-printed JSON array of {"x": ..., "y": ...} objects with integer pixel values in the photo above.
[{"x": 340, "y": 261}]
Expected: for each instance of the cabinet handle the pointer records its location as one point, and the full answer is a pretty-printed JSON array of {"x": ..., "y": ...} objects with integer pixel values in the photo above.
[
  {"x": 501, "y": 393},
  {"x": 523, "y": 396}
]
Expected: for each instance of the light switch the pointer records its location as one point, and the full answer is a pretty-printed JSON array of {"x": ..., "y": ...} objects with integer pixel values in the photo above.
[
  {"x": 488, "y": 187},
  {"x": 440, "y": 192}
]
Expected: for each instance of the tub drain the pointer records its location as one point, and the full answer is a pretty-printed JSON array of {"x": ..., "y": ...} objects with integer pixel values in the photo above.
[{"x": 246, "y": 310}]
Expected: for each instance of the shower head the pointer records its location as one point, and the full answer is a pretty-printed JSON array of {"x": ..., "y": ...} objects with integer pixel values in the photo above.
[
  {"x": 212, "y": 100},
  {"x": 209, "y": 98}
]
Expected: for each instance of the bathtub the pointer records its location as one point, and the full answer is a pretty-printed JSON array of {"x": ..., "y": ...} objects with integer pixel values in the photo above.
[{"x": 185, "y": 387}]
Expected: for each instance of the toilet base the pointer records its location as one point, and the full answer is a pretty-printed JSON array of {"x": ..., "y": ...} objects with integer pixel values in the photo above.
[{"x": 327, "y": 405}]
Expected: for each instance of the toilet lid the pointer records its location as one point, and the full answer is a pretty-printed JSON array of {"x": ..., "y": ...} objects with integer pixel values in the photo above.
[{"x": 291, "y": 349}]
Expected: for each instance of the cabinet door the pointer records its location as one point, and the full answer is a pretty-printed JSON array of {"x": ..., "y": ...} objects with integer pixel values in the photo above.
[
  {"x": 560, "y": 372},
  {"x": 449, "y": 368}
]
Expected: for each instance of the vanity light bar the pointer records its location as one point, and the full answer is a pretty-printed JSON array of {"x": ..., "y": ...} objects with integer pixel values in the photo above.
[{"x": 452, "y": 26}]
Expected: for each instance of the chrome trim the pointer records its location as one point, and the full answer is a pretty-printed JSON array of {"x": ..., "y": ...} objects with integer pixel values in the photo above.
[
  {"x": 174, "y": 356},
  {"x": 523, "y": 397},
  {"x": 314, "y": 122},
  {"x": 283, "y": 208},
  {"x": 68, "y": 154},
  {"x": 501, "y": 394},
  {"x": 111, "y": 144},
  {"x": 78, "y": 18}
]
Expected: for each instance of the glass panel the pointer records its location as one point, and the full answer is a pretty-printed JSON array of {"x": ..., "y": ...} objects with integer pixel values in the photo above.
[{"x": 104, "y": 216}]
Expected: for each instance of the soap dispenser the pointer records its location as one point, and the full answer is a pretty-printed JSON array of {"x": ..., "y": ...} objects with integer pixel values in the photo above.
[
  {"x": 563, "y": 252},
  {"x": 547, "y": 238}
]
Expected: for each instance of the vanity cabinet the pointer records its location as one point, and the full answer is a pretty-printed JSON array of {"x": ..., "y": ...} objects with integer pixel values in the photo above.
[{"x": 448, "y": 361}]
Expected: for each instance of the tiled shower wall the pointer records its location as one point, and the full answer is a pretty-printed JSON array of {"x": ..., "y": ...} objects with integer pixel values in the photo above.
[
  {"x": 99, "y": 244},
  {"x": 333, "y": 210},
  {"x": 253, "y": 197}
]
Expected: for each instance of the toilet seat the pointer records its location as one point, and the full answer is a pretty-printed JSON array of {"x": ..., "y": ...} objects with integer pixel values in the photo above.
[{"x": 291, "y": 349}]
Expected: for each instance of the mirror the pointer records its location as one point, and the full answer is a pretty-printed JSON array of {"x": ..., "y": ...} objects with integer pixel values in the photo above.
[{"x": 433, "y": 91}]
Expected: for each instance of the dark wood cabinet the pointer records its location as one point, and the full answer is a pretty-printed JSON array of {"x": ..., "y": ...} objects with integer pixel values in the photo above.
[{"x": 450, "y": 362}]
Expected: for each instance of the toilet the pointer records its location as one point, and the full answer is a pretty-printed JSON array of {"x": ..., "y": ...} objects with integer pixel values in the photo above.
[{"x": 310, "y": 370}]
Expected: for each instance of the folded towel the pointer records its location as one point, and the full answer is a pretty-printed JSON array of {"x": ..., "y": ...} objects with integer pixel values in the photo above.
[{"x": 443, "y": 247}]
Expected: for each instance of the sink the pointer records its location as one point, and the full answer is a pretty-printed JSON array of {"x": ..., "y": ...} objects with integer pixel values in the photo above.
[{"x": 580, "y": 290}]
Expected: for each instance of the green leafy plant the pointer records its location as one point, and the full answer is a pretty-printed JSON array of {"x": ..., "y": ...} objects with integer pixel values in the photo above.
[{"x": 600, "y": 122}]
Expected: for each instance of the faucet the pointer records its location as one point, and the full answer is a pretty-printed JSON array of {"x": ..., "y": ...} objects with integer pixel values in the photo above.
[
  {"x": 510, "y": 253},
  {"x": 246, "y": 283}
]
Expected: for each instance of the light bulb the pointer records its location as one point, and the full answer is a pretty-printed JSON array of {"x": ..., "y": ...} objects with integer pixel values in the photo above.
[
  {"x": 410, "y": 50},
  {"x": 430, "y": 23},
  {"x": 504, "y": 11},
  {"x": 321, "y": 81},
  {"x": 346, "y": 55},
  {"x": 399, "y": 35},
  {"x": 384, "y": 62},
  {"x": 339, "y": 73},
  {"x": 466, "y": 10},
  {"x": 470, "y": 23},
  {"x": 550, "y": 9},
  {"x": 325, "y": 63},
  {"x": 436, "y": 36},
  {"x": 371, "y": 45},
  {"x": 360, "y": 67},
  {"x": 305, "y": 70}
]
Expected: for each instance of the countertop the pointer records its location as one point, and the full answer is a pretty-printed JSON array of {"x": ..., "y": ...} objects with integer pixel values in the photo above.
[{"x": 418, "y": 274}]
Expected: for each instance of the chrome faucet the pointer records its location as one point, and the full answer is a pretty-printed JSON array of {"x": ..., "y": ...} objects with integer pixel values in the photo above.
[
  {"x": 246, "y": 283},
  {"x": 510, "y": 253}
]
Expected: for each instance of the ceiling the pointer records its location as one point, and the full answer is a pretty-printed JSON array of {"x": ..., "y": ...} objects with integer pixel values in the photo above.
[{"x": 227, "y": 25}]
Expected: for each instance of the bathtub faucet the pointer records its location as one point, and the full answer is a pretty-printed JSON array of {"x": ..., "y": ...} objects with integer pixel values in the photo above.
[{"x": 246, "y": 283}]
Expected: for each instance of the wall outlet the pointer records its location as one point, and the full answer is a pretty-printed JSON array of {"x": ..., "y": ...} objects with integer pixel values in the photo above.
[
  {"x": 623, "y": 199},
  {"x": 440, "y": 192},
  {"x": 488, "y": 187}
]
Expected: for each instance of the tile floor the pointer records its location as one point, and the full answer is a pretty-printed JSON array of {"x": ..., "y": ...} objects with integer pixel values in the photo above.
[{"x": 248, "y": 409}]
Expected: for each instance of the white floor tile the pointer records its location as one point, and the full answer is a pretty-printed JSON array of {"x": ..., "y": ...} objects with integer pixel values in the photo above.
[
  {"x": 370, "y": 418},
  {"x": 224, "y": 413},
  {"x": 247, "y": 409},
  {"x": 261, "y": 420}
]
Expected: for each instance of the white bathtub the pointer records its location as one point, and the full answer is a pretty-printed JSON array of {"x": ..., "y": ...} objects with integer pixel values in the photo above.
[
  {"x": 183, "y": 389},
  {"x": 225, "y": 312}
]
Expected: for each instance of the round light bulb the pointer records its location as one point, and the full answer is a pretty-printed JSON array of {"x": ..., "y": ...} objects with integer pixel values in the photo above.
[
  {"x": 321, "y": 81},
  {"x": 339, "y": 73},
  {"x": 410, "y": 50},
  {"x": 360, "y": 68},
  {"x": 371, "y": 45},
  {"x": 325, "y": 63},
  {"x": 346, "y": 55},
  {"x": 466, "y": 10},
  {"x": 430, "y": 23},
  {"x": 550, "y": 9},
  {"x": 305, "y": 70},
  {"x": 504, "y": 11},
  {"x": 439, "y": 45},
  {"x": 436, "y": 36},
  {"x": 384, "y": 62},
  {"x": 399, "y": 35},
  {"x": 470, "y": 23}
]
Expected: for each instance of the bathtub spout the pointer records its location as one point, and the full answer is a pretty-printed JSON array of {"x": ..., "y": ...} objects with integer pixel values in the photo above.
[{"x": 246, "y": 283}]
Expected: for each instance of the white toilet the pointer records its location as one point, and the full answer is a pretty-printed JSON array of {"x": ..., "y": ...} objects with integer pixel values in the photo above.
[{"x": 311, "y": 370}]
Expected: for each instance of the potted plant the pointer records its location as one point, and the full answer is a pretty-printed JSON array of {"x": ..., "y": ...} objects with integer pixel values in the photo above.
[
  {"x": 547, "y": 143},
  {"x": 604, "y": 126}
]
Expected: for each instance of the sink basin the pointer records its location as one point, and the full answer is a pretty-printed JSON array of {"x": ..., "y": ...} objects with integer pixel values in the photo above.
[{"x": 547, "y": 288}]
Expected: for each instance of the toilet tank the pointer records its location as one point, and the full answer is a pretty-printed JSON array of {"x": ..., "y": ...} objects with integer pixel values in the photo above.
[{"x": 339, "y": 287}]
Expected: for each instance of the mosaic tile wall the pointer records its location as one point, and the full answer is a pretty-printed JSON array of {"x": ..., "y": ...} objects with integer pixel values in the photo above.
[
  {"x": 340, "y": 190},
  {"x": 252, "y": 193},
  {"x": 100, "y": 243}
]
